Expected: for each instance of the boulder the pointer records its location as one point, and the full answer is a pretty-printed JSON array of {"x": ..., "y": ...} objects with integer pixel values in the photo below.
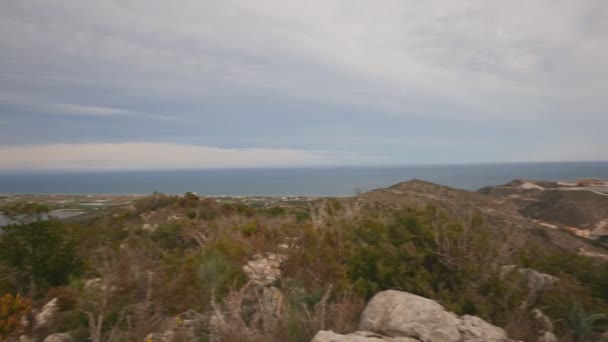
[
  {"x": 547, "y": 337},
  {"x": 44, "y": 317},
  {"x": 272, "y": 307},
  {"x": 536, "y": 281},
  {"x": 149, "y": 227},
  {"x": 359, "y": 336},
  {"x": 473, "y": 327},
  {"x": 543, "y": 326},
  {"x": 98, "y": 285},
  {"x": 398, "y": 316},
  {"x": 64, "y": 337},
  {"x": 264, "y": 270},
  {"x": 401, "y": 314}
]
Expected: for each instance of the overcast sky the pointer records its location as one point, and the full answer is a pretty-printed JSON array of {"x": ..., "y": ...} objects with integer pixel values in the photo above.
[{"x": 240, "y": 83}]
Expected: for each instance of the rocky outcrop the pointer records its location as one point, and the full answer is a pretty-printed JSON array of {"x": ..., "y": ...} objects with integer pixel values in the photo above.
[
  {"x": 535, "y": 281},
  {"x": 400, "y": 316},
  {"x": 543, "y": 326},
  {"x": 257, "y": 307},
  {"x": 263, "y": 272},
  {"x": 46, "y": 314},
  {"x": 264, "y": 269}
]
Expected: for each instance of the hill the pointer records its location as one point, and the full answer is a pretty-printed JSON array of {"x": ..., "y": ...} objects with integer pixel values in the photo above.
[
  {"x": 501, "y": 210},
  {"x": 191, "y": 268},
  {"x": 579, "y": 207}
]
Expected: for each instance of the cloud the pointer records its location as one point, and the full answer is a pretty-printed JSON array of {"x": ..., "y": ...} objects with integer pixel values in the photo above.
[
  {"x": 85, "y": 110},
  {"x": 401, "y": 74},
  {"x": 126, "y": 156},
  {"x": 391, "y": 55},
  {"x": 24, "y": 100}
]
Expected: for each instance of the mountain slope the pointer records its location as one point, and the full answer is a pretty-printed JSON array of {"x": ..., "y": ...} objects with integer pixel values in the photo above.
[{"x": 501, "y": 215}]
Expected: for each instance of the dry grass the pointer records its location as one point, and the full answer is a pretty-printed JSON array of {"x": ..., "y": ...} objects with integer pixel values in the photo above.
[{"x": 290, "y": 322}]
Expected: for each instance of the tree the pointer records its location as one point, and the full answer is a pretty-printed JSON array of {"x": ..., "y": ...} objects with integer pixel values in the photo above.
[
  {"x": 41, "y": 252},
  {"x": 23, "y": 213}
]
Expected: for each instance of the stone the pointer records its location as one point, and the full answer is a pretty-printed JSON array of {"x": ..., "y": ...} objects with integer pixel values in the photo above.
[
  {"x": 398, "y": 316},
  {"x": 264, "y": 270},
  {"x": 542, "y": 322},
  {"x": 547, "y": 337},
  {"x": 272, "y": 307},
  {"x": 543, "y": 326},
  {"x": 47, "y": 312},
  {"x": 173, "y": 218},
  {"x": 98, "y": 285},
  {"x": 473, "y": 327},
  {"x": 401, "y": 314},
  {"x": 359, "y": 336},
  {"x": 63, "y": 337},
  {"x": 536, "y": 281}
]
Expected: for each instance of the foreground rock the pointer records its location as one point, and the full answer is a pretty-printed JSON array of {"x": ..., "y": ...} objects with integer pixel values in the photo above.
[
  {"x": 401, "y": 316},
  {"x": 65, "y": 337},
  {"x": 359, "y": 336}
]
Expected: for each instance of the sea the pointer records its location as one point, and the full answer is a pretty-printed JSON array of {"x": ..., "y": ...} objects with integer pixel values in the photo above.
[{"x": 312, "y": 181}]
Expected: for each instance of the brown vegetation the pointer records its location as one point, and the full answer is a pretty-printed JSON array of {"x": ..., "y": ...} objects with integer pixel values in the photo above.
[{"x": 175, "y": 264}]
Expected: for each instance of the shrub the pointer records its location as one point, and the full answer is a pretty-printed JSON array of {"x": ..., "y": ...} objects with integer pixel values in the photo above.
[
  {"x": 190, "y": 199},
  {"x": 167, "y": 235},
  {"x": 273, "y": 211},
  {"x": 42, "y": 252},
  {"x": 12, "y": 309},
  {"x": 154, "y": 202}
]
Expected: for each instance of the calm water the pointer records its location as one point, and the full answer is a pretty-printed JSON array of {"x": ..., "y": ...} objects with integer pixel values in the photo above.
[{"x": 342, "y": 181}]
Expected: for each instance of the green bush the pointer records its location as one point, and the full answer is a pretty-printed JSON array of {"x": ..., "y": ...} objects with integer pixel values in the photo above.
[
  {"x": 168, "y": 235},
  {"x": 190, "y": 200},
  {"x": 154, "y": 202},
  {"x": 273, "y": 211},
  {"x": 43, "y": 253}
]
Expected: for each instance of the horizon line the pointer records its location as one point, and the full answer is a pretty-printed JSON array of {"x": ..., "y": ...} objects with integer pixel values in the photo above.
[{"x": 282, "y": 167}]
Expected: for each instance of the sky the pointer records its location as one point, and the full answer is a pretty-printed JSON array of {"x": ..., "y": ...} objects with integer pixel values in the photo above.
[{"x": 150, "y": 84}]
